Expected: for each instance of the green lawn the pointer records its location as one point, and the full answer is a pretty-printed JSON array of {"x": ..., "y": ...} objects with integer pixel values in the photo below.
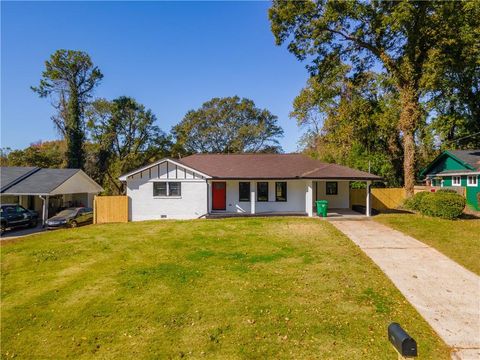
[
  {"x": 234, "y": 288},
  {"x": 458, "y": 239}
]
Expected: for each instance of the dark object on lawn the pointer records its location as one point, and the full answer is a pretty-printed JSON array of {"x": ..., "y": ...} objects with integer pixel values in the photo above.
[
  {"x": 401, "y": 341},
  {"x": 363, "y": 209}
]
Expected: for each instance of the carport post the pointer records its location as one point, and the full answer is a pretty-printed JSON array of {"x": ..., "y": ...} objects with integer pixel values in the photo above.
[
  {"x": 368, "y": 211},
  {"x": 45, "y": 209}
]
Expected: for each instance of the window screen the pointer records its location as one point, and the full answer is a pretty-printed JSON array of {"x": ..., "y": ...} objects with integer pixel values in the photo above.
[
  {"x": 174, "y": 189},
  {"x": 159, "y": 189},
  {"x": 244, "y": 191},
  {"x": 281, "y": 191},
  {"x": 262, "y": 191},
  {"x": 167, "y": 189}
]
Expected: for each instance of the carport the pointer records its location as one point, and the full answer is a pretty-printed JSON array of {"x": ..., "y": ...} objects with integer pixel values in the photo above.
[{"x": 46, "y": 190}]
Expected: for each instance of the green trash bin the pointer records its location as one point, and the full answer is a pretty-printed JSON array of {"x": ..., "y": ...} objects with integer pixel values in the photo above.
[{"x": 322, "y": 207}]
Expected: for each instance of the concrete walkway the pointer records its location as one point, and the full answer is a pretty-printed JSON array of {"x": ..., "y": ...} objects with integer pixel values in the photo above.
[{"x": 446, "y": 294}]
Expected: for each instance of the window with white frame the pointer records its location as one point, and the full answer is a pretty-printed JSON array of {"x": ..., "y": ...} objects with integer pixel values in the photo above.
[
  {"x": 456, "y": 180},
  {"x": 472, "y": 180},
  {"x": 163, "y": 188}
]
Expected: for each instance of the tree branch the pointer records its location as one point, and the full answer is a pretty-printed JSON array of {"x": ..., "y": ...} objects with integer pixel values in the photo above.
[{"x": 379, "y": 52}]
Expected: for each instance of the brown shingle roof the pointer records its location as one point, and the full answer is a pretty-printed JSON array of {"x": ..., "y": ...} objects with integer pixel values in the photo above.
[{"x": 271, "y": 166}]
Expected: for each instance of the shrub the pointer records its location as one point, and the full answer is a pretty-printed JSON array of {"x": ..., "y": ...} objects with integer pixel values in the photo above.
[
  {"x": 445, "y": 205},
  {"x": 414, "y": 202},
  {"x": 448, "y": 191}
]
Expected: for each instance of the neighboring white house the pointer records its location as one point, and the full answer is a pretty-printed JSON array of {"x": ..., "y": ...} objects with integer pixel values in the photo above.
[
  {"x": 46, "y": 190},
  {"x": 204, "y": 184}
]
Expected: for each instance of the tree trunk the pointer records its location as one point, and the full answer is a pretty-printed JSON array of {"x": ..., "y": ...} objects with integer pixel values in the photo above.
[
  {"x": 74, "y": 132},
  {"x": 409, "y": 119},
  {"x": 409, "y": 162},
  {"x": 120, "y": 189}
]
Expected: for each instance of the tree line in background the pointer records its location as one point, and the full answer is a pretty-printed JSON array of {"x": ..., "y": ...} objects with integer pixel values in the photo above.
[
  {"x": 388, "y": 79},
  {"x": 391, "y": 84},
  {"x": 107, "y": 138}
]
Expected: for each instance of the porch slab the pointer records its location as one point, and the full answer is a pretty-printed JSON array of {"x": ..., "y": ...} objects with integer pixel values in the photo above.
[
  {"x": 342, "y": 214},
  {"x": 221, "y": 215},
  {"x": 333, "y": 214}
]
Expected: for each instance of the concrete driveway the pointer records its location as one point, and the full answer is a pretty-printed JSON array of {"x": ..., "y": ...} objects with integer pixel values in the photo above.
[
  {"x": 21, "y": 232},
  {"x": 445, "y": 293}
]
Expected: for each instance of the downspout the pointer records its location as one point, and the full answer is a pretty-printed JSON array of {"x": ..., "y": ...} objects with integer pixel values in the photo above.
[{"x": 45, "y": 209}]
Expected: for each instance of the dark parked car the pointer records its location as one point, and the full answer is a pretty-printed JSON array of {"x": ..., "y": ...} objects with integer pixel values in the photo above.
[
  {"x": 13, "y": 216},
  {"x": 71, "y": 217}
]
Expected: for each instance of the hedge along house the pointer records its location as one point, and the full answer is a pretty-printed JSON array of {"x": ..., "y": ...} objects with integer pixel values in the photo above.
[
  {"x": 242, "y": 184},
  {"x": 46, "y": 190},
  {"x": 456, "y": 169}
]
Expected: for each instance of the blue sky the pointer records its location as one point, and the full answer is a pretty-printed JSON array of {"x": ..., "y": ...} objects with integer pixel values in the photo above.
[{"x": 170, "y": 56}]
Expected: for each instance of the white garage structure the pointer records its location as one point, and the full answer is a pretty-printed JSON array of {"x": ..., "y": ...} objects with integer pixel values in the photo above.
[
  {"x": 202, "y": 185},
  {"x": 46, "y": 190}
]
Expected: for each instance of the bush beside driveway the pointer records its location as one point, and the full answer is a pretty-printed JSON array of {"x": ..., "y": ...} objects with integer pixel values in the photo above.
[{"x": 231, "y": 288}]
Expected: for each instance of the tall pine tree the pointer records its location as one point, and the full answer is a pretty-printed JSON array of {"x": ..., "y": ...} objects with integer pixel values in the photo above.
[{"x": 69, "y": 78}]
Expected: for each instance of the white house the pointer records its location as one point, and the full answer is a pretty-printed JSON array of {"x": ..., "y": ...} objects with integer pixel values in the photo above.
[{"x": 206, "y": 184}]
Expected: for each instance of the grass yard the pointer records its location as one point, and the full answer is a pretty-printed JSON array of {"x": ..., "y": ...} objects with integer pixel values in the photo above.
[
  {"x": 457, "y": 239},
  {"x": 291, "y": 288}
]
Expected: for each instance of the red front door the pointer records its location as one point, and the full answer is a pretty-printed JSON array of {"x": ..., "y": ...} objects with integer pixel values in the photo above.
[{"x": 219, "y": 195}]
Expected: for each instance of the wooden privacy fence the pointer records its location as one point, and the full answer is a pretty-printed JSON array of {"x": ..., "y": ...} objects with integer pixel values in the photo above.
[
  {"x": 110, "y": 209},
  {"x": 458, "y": 189},
  {"x": 382, "y": 198}
]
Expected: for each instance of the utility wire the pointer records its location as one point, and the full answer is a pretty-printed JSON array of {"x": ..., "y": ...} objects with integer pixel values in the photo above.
[{"x": 462, "y": 138}]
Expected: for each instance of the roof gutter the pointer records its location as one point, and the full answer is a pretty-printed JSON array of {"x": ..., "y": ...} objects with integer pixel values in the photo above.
[
  {"x": 345, "y": 178},
  {"x": 26, "y": 194},
  {"x": 459, "y": 173}
]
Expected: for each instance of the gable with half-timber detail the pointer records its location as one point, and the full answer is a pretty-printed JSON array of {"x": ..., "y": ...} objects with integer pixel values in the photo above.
[{"x": 166, "y": 170}]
